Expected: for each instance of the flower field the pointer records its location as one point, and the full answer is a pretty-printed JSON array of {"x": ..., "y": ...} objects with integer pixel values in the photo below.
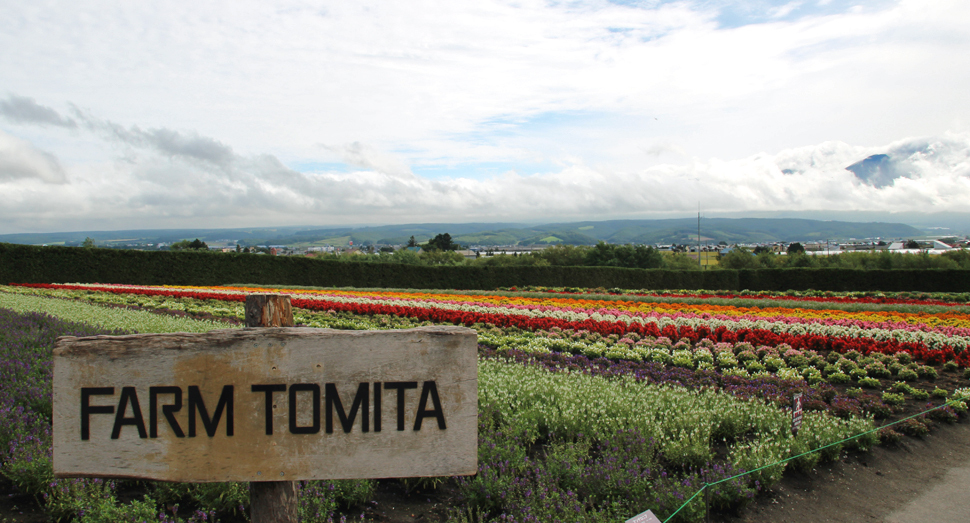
[
  {"x": 593, "y": 407},
  {"x": 931, "y": 337}
]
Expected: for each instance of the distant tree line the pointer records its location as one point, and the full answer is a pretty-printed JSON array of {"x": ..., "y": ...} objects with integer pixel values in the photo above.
[
  {"x": 441, "y": 250},
  {"x": 186, "y": 245},
  {"x": 741, "y": 258}
]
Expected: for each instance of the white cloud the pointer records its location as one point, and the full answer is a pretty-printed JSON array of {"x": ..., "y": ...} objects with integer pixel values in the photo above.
[
  {"x": 784, "y": 10},
  {"x": 20, "y": 160},
  {"x": 150, "y": 187},
  {"x": 365, "y": 156},
  {"x": 402, "y": 76}
]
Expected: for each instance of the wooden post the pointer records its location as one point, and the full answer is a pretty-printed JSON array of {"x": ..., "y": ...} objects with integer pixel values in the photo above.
[
  {"x": 274, "y": 502},
  {"x": 268, "y": 310},
  {"x": 271, "y": 501}
]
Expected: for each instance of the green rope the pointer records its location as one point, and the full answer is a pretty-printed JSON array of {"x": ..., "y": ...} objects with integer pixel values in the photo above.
[{"x": 706, "y": 485}]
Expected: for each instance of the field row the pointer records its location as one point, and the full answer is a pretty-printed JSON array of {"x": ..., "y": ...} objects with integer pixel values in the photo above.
[
  {"x": 587, "y": 421},
  {"x": 860, "y": 377}
]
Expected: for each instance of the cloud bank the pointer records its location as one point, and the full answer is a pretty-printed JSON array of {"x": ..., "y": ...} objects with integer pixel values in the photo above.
[{"x": 162, "y": 177}]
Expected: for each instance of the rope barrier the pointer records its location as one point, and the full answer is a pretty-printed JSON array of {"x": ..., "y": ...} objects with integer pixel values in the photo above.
[{"x": 706, "y": 485}]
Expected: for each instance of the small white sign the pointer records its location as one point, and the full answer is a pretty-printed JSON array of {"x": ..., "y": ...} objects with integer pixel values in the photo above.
[
  {"x": 644, "y": 517},
  {"x": 796, "y": 416}
]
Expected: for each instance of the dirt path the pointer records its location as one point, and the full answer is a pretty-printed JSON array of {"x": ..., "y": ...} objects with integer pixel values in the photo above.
[
  {"x": 920, "y": 480},
  {"x": 945, "y": 502}
]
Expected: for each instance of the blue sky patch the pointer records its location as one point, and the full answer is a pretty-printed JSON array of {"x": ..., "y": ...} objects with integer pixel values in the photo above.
[{"x": 738, "y": 13}]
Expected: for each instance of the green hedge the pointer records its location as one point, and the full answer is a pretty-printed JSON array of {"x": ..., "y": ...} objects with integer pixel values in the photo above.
[
  {"x": 30, "y": 264},
  {"x": 896, "y": 280}
]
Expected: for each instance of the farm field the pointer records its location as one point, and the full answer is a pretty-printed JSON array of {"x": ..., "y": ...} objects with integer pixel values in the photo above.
[{"x": 594, "y": 405}]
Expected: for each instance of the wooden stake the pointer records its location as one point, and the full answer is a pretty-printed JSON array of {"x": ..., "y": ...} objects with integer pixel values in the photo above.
[
  {"x": 271, "y": 501},
  {"x": 268, "y": 310}
]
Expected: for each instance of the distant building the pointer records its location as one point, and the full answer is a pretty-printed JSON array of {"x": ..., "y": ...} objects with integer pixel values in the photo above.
[{"x": 929, "y": 247}]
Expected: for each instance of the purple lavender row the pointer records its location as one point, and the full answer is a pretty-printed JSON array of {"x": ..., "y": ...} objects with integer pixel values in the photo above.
[{"x": 26, "y": 341}]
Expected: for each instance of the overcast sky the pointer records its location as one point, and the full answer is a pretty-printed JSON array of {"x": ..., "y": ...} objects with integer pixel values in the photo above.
[{"x": 119, "y": 115}]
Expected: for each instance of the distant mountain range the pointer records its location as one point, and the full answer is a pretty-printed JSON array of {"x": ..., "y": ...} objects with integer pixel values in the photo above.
[{"x": 664, "y": 231}]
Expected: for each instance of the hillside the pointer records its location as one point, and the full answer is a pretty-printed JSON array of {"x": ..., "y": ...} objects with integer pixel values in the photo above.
[
  {"x": 678, "y": 231},
  {"x": 684, "y": 230}
]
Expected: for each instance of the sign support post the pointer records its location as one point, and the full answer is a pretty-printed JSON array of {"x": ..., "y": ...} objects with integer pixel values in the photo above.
[{"x": 271, "y": 501}]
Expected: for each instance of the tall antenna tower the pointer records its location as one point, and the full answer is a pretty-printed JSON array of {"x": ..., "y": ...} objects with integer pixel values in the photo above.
[{"x": 699, "y": 266}]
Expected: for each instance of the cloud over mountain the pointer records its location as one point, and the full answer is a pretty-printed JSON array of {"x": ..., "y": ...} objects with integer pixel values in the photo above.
[{"x": 178, "y": 178}]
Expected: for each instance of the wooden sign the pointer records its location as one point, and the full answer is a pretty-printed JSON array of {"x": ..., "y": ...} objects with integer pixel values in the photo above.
[{"x": 267, "y": 404}]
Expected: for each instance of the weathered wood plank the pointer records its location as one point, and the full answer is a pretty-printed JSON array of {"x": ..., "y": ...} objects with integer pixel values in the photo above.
[{"x": 330, "y": 369}]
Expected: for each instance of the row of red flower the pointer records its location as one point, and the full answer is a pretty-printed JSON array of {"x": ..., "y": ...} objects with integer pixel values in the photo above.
[{"x": 755, "y": 337}]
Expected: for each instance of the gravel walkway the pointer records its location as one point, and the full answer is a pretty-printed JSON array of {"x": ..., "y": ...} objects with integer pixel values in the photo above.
[{"x": 921, "y": 480}]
